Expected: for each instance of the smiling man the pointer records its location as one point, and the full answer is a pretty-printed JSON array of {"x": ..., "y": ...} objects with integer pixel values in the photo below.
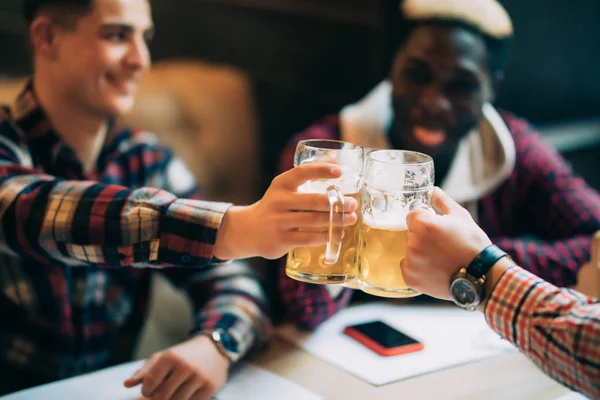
[
  {"x": 89, "y": 209},
  {"x": 447, "y": 64}
]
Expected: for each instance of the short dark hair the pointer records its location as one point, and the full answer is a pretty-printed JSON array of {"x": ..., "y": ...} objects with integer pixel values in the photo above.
[
  {"x": 63, "y": 10},
  {"x": 497, "y": 47}
]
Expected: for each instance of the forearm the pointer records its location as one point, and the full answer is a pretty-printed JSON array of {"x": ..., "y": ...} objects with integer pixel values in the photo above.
[
  {"x": 231, "y": 297},
  {"x": 556, "y": 328},
  {"x": 83, "y": 222},
  {"x": 549, "y": 201}
]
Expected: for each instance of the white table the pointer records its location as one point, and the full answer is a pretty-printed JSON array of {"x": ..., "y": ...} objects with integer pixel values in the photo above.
[{"x": 509, "y": 376}]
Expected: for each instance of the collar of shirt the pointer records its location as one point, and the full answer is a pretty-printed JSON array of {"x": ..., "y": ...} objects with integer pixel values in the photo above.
[{"x": 54, "y": 154}]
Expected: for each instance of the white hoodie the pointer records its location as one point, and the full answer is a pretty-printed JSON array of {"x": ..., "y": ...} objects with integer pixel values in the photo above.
[{"x": 485, "y": 157}]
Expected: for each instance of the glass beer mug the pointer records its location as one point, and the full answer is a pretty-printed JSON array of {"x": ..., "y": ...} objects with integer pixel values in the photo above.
[
  {"x": 335, "y": 262},
  {"x": 395, "y": 183}
]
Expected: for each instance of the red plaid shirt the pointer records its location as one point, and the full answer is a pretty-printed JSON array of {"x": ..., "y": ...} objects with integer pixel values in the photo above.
[
  {"x": 558, "y": 329},
  {"x": 542, "y": 215},
  {"x": 70, "y": 300}
]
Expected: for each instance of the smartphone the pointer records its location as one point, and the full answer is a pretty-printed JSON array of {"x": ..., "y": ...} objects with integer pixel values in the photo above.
[{"x": 383, "y": 339}]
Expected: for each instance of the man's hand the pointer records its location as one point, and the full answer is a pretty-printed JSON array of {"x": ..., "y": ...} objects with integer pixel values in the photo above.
[
  {"x": 283, "y": 219},
  {"x": 439, "y": 245},
  {"x": 191, "y": 370}
]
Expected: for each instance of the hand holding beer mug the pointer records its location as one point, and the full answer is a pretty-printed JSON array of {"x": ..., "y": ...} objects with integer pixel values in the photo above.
[
  {"x": 395, "y": 183},
  {"x": 336, "y": 261}
]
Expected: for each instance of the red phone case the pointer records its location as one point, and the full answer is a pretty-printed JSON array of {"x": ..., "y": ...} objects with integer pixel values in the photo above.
[{"x": 379, "y": 349}]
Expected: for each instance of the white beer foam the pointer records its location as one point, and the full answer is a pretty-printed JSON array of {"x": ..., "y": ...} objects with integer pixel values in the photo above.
[{"x": 386, "y": 221}]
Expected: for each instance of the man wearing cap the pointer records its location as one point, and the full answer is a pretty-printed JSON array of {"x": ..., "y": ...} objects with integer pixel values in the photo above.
[{"x": 447, "y": 63}]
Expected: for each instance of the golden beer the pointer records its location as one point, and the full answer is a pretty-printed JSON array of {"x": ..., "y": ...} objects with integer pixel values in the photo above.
[
  {"x": 306, "y": 263},
  {"x": 382, "y": 247},
  {"x": 395, "y": 183}
]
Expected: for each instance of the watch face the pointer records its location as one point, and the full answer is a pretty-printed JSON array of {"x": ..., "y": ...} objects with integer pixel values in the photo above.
[{"x": 464, "y": 292}]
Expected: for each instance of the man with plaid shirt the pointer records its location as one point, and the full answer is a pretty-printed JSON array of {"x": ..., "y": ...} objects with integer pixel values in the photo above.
[
  {"x": 558, "y": 329},
  {"x": 448, "y": 59},
  {"x": 89, "y": 208}
]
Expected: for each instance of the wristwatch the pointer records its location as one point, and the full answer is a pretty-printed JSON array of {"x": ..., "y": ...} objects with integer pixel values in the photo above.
[
  {"x": 466, "y": 285},
  {"x": 223, "y": 341}
]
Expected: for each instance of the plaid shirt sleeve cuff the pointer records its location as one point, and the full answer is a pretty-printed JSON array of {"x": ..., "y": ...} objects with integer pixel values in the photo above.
[
  {"x": 505, "y": 308},
  {"x": 188, "y": 231}
]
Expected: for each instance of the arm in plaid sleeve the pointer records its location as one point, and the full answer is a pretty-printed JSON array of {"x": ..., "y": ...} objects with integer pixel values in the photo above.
[
  {"x": 78, "y": 222},
  {"x": 558, "y": 329},
  {"x": 554, "y": 205},
  {"x": 305, "y": 304},
  {"x": 229, "y": 296}
]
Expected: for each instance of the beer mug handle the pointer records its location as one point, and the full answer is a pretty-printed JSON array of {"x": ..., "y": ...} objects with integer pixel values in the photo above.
[{"x": 336, "y": 225}]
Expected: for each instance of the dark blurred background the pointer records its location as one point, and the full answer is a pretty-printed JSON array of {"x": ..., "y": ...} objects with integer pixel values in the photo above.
[{"x": 307, "y": 58}]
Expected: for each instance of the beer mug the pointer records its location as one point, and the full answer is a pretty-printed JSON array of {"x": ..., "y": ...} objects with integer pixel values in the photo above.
[
  {"x": 336, "y": 261},
  {"x": 395, "y": 183}
]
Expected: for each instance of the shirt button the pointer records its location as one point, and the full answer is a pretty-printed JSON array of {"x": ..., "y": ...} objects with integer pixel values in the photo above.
[{"x": 186, "y": 258}]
